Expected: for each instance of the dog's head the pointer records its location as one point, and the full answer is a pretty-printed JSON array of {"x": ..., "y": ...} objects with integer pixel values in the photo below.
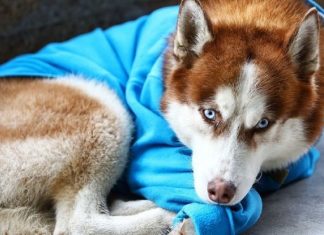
[{"x": 242, "y": 96}]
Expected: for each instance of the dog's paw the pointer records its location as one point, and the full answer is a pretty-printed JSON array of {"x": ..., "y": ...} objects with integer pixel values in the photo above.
[
  {"x": 157, "y": 221},
  {"x": 164, "y": 217},
  {"x": 184, "y": 228}
]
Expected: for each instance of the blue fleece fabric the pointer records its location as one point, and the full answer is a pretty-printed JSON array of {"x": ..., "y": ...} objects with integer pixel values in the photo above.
[{"x": 128, "y": 59}]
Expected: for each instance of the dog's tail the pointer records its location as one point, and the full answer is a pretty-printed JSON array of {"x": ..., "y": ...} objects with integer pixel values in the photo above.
[{"x": 25, "y": 220}]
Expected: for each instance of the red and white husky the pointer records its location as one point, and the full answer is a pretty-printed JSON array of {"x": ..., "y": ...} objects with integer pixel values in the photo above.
[{"x": 244, "y": 90}]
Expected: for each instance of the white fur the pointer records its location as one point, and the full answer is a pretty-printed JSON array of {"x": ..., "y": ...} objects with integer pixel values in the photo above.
[
  {"x": 225, "y": 156},
  {"x": 225, "y": 101},
  {"x": 245, "y": 100},
  {"x": 251, "y": 104},
  {"x": 189, "y": 117},
  {"x": 284, "y": 144}
]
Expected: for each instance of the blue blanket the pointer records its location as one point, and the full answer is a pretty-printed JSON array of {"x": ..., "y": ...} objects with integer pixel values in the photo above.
[{"x": 128, "y": 58}]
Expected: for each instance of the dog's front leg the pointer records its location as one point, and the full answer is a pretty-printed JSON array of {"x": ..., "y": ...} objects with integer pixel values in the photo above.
[
  {"x": 90, "y": 217},
  {"x": 64, "y": 210},
  {"x": 119, "y": 207}
]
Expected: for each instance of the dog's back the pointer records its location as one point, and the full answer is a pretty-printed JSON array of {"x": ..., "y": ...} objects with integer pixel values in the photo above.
[
  {"x": 64, "y": 143},
  {"x": 57, "y": 137},
  {"x": 53, "y": 127}
]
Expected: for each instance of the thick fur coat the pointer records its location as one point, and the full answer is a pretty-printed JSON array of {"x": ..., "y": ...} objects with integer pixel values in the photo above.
[{"x": 243, "y": 89}]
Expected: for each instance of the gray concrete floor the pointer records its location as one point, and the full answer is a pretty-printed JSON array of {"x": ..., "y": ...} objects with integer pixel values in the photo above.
[{"x": 296, "y": 209}]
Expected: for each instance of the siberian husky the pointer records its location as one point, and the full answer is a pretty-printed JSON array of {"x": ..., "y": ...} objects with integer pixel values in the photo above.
[{"x": 244, "y": 89}]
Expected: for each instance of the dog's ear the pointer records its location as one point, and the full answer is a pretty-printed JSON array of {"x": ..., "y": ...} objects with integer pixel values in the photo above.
[
  {"x": 304, "y": 44},
  {"x": 193, "y": 30}
]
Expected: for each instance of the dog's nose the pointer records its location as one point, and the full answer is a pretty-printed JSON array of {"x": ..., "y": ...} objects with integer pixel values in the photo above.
[{"x": 221, "y": 191}]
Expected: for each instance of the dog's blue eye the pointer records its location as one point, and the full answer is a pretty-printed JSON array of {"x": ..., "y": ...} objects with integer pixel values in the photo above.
[
  {"x": 263, "y": 123},
  {"x": 210, "y": 114}
]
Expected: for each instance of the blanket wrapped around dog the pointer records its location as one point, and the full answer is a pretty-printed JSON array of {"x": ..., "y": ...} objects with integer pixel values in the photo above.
[{"x": 128, "y": 58}]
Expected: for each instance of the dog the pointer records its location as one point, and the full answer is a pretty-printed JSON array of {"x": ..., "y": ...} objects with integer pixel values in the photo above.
[
  {"x": 70, "y": 161},
  {"x": 243, "y": 90}
]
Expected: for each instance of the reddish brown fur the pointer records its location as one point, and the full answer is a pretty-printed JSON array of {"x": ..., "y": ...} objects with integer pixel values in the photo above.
[
  {"x": 53, "y": 111},
  {"x": 54, "y": 100},
  {"x": 251, "y": 30}
]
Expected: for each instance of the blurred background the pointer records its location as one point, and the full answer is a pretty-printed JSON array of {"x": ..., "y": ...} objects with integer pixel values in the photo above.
[{"x": 28, "y": 25}]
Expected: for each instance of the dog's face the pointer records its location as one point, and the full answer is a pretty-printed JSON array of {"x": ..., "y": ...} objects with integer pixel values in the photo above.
[{"x": 242, "y": 99}]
